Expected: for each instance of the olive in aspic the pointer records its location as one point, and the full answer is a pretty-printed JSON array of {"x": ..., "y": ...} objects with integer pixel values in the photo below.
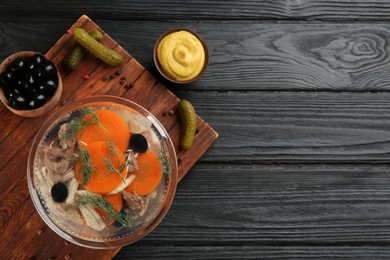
[{"x": 29, "y": 82}]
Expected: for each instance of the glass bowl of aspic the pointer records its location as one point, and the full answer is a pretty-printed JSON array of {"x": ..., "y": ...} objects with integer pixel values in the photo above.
[{"x": 102, "y": 172}]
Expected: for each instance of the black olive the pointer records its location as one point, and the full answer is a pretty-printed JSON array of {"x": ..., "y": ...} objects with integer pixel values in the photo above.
[
  {"x": 19, "y": 102},
  {"x": 8, "y": 93},
  {"x": 7, "y": 78},
  {"x": 41, "y": 88},
  {"x": 59, "y": 192},
  {"x": 35, "y": 61},
  {"x": 30, "y": 78},
  {"x": 49, "y": 68},
  {"x": 32, "y": 66},
  {"x": 47, "y": 87},
  {"x": 40, "y": 98},
  {"x": 24, "y": 88},
  {"x": 19, "y": 84},
  {"x": 18, "y": 65},
  {"x": 50, "y": 86},
  {"x": 54, "y": 79},
  {"x": 39, "y": 73},
  {"x": 11, "y": 92},
  {"x": 37, "y": 101},
  {"x": 33, "y": 104},
  {"x": 118, "y": 224},
  {"x": 138, "y": 143}
]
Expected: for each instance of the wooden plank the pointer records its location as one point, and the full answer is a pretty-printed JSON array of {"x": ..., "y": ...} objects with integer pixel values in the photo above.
[
  {"x": 34, "y": 229},
  {"x": 249, "y": 55},
  {"x": 269, "y": 56},
  {"x": 293, "y": 127},
  {"x": 276, "y": 205},
  {"x": 254, "y": 206},
  {"x": 255, "y": 252},
  {"x": 15, "y": 142},
  {"x": 195, "y": 10}
]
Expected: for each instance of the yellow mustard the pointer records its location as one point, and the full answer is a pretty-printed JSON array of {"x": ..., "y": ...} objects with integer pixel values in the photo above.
[{"x": 181, "y": 55}]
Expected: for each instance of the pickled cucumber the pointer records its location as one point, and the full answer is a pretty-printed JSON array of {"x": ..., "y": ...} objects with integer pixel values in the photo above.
[
  {"x": 187, "y": 117},
  {"x": 96, "y": 34},
  {"x": 107, "y": 55},
  {"x": 76, "y": 54}
]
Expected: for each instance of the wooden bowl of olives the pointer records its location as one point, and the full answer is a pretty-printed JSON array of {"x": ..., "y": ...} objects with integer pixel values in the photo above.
[{"x": 30, "y": 84}]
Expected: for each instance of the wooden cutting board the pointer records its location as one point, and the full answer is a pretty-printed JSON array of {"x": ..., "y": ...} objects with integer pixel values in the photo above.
[{"x": 24, "y": 234}]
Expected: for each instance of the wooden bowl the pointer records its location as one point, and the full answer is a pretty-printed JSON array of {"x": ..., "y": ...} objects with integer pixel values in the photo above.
[
  {"x": 157, "y": 63},
  {"x": 48, "y": 106}
]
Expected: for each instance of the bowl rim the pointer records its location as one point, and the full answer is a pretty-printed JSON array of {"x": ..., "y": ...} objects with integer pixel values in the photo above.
[
  {"x": 50, "y": 104},
  {"x": 141, "y": 232},
  {"x": 157, "y": 62}
]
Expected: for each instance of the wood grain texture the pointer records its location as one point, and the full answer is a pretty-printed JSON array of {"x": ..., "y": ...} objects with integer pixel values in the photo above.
[
  {"x": 241, "y": 207},
  {"x": 293, "y": 175},
  {"x": 15, "y": 143},
  {"x": 223, "y": 209},
  {"x": 196, "y": 10},
  {"x": 249, "y": 56},
  {"x": 255, "y": 252},
  {"x": 292, "y": 127}
]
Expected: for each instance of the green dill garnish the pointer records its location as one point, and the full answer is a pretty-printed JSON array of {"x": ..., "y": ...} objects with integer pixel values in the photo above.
[
  {"x": 81, "y": 124},
  {"x": 108, "y": 163},
  {"x": 162, "y": 155},
  {"x": 104, "y": 205},
  {"x": 87, "y": 167}
]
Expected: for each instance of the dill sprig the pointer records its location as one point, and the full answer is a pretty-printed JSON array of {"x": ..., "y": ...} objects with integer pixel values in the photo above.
[
  {"x": 162, "y": 155},
  {"x": 104, "y": 205},
  {"x": 87, "y": 167},
  {"x": 81, "y": 124},
  {"x": 108, "y": 163}
]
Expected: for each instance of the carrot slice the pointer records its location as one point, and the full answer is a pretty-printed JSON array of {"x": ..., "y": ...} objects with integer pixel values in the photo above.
[
  {"x": 148, "y": 175},
  {"x": 114, "y": 129},
  {"x": 101, "y": 181},
  {"x": 116, "y": 202}
]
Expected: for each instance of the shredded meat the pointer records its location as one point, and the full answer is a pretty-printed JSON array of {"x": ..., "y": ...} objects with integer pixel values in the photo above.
[
  {"x": 65, "y": 143},
  {"x": 131, "y": 158},
  {"x": 57, "y": 160},
  {"x": 135, "y": 202}
]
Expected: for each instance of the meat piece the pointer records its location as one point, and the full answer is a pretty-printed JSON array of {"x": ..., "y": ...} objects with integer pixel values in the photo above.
[
  {"x": 65, "y": 142},
  {"x": 72, "y": 188},
  {"x": 136, "y": 127},
  {"x": 44, "y": 182},
  {"x": 92, "y": 218},
  {"x": 57, "y": 161},
  {"x": 68, "y": 176},
  {"x": 71, "y": 214},
  {"x": 136, "y": 203},
  {"x": 137, "y": 123},
  {"x": 131, "y": 158}
]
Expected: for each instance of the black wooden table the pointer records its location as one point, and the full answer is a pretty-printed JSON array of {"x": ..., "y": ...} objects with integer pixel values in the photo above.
[{"x": 299, "y": 93}]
